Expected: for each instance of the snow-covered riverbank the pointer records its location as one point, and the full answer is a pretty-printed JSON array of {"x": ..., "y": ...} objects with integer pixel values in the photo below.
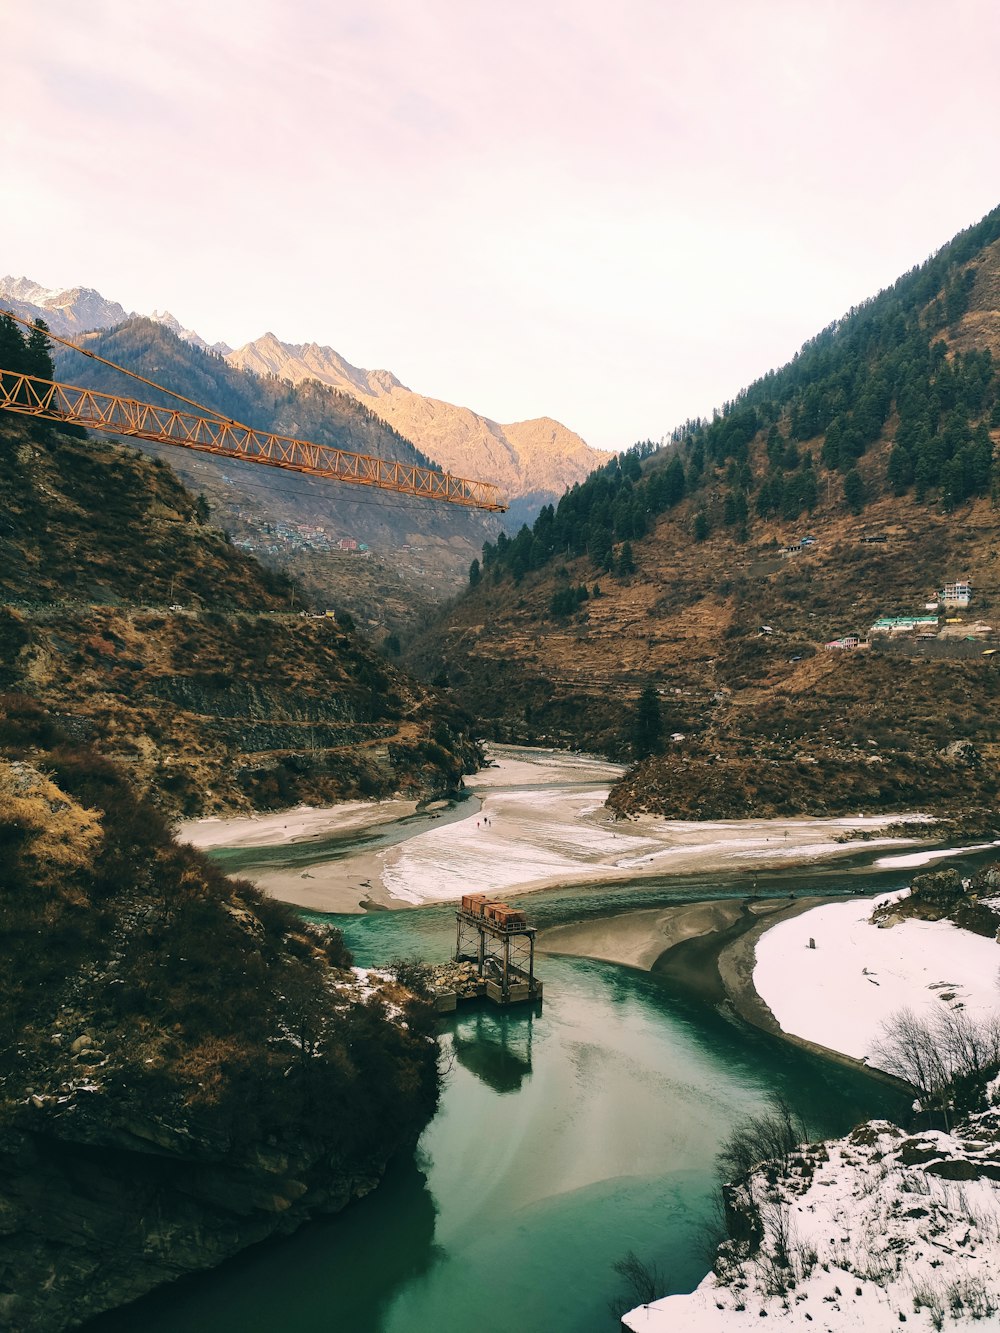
[
  {"x": 879, "y": 1228},
  {"x": 842, "y": 991},
  {"x": 865, "y": 1234},
  {"x": 539, "y": 821}
]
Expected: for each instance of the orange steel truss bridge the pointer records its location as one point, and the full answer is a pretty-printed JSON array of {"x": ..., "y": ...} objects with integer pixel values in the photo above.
[{"x": 53, "y": 401}]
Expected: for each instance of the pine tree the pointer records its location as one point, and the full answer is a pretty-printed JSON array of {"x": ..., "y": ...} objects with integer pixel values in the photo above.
[
  {"x": 12, "y": 351},
  {"x": 38, "y": 353},
  {"x": 854, "y": 491},
  {"x": 647, "y": 724},
  {"x": 675, "y": 483}
]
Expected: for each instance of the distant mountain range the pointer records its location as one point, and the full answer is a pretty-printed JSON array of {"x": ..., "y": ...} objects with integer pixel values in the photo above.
[
  {"x": 420, "y": 551},
  {"x": 80, "y": 309},
  {"x": 533, "y": 461}
]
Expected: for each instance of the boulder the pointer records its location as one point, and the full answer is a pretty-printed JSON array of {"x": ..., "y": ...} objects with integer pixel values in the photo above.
[{"x": 939, "y": 888}]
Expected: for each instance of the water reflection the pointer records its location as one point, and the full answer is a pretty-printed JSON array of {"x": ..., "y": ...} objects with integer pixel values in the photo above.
[
  {"x": 495, "y": 1048},
  {"x": 344, "y": 1272}
]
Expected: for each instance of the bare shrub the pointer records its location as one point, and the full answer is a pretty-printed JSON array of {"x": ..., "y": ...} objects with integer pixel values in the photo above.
[
  {"x": 646, "y": 1282},
  {"x": 970, "y": 1296},
  {"x": 771, "y": 1136},
  {"x": 926, "y": 1297},
  {"x": 412, "y": 973},
  {"x": 936, "y": 1055}
]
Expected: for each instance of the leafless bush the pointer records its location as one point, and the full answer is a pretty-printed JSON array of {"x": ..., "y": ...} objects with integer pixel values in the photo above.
[
  {"x": 646, "y": 1282},
  {"x": 412, "y": 973},
  {"x": 775, "y": 1260},
  {"x": 771, "y": 1136},
  {"x": 803, "y": 1258},
  {"x": 873, "y": 1179},
  {"x": 935, "y": 1054},
  {"x": 970, "y": 1296},
  {"x": 877, "y": 1268},
  {"x": 926, "y": 1297},
  {"x": 711, "y": 1228}
]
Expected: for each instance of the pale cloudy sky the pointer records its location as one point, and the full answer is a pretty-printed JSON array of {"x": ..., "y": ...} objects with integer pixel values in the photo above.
[{"x": 616, "y": 215}]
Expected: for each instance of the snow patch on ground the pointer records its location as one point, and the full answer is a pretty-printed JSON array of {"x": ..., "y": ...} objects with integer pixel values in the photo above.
[
  {"x": 913, "y": 859},
  {"x": 841, "y": 992},
  {"x": 874, "y": 1238}
]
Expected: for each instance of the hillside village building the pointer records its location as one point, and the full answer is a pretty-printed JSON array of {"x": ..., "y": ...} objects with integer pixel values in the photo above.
[
  {"x": 903, "y": 624},
  {"x": 957, "y": 594}
]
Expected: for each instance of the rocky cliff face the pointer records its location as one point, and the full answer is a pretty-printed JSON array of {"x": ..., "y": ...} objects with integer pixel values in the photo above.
[
  {"x": 187, "y": 1067},
  {"x": 97, "y": 1211}
]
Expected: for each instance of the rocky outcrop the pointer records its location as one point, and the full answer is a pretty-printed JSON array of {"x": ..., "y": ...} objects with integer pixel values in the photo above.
[
  {"x": 871, "y": 1231},
  {"x": 94, "y": 1214},
  {"x": 186, "y": 1067},
  {"x": 938, "y": 895}
]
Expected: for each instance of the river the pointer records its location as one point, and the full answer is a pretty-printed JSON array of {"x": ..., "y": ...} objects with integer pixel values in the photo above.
[{"x": 564, "y": 1139}]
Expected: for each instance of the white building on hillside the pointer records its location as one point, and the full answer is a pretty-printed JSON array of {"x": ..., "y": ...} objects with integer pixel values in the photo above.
[{"x": 957, "y": 593}]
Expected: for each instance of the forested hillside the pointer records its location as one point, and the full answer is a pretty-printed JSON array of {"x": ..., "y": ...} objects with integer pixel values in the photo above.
[
  {"x": 140, "y": 629},
  {"x": 914, "y": 366},
  {"x": 187, "y": 1067},
  {"x": 681, "y": 571}
]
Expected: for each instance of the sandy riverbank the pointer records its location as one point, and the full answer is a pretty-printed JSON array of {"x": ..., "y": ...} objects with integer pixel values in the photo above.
[
  {"x": 713, "y": 950},
  {"x": 707, "y": 947},
  {"x": 539, "y": 822},
  {"x": 303, "y": 824}
]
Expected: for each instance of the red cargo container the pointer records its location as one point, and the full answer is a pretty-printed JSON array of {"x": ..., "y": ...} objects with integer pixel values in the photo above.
[
  {"x": 473, "y": 903},
  {"x": 509, "y": 917}
]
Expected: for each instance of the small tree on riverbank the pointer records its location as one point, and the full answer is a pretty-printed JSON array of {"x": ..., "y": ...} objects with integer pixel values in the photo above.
[
  {"x": 645, "y": 1282},
  {"x": 949, "y": 1057}
]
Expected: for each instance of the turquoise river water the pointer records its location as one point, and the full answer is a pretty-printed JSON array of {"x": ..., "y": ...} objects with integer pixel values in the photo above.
[{"x": 564, "y": 1139}]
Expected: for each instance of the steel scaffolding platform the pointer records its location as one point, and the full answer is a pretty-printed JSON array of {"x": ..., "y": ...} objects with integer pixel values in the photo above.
[{"x": 504, "y": 955}]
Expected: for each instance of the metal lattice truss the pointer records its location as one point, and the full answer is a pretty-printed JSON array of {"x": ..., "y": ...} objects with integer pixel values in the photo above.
[{"x": 52, "y": 401}]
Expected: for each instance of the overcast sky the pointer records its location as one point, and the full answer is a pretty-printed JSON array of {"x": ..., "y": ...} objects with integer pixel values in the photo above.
[{"x": 616, "y": 215}]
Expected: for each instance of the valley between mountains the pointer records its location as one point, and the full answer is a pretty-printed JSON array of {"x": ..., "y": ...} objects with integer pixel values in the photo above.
[{"x": 785, "y": 619}]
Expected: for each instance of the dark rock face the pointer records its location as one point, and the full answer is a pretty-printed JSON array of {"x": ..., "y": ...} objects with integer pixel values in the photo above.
[
  {"x": 742, "y": 1217},
  {"x": 943, "y": 894},
  {"x": 91, "y": 1225},
  {"x": 186, "y": 1066},
  {"x": 101, "y": 1200},
  {"x": 962, "y": 753}
]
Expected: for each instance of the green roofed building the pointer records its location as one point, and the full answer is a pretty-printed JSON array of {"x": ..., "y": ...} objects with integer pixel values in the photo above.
[{"x": 903, "y": 624}]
